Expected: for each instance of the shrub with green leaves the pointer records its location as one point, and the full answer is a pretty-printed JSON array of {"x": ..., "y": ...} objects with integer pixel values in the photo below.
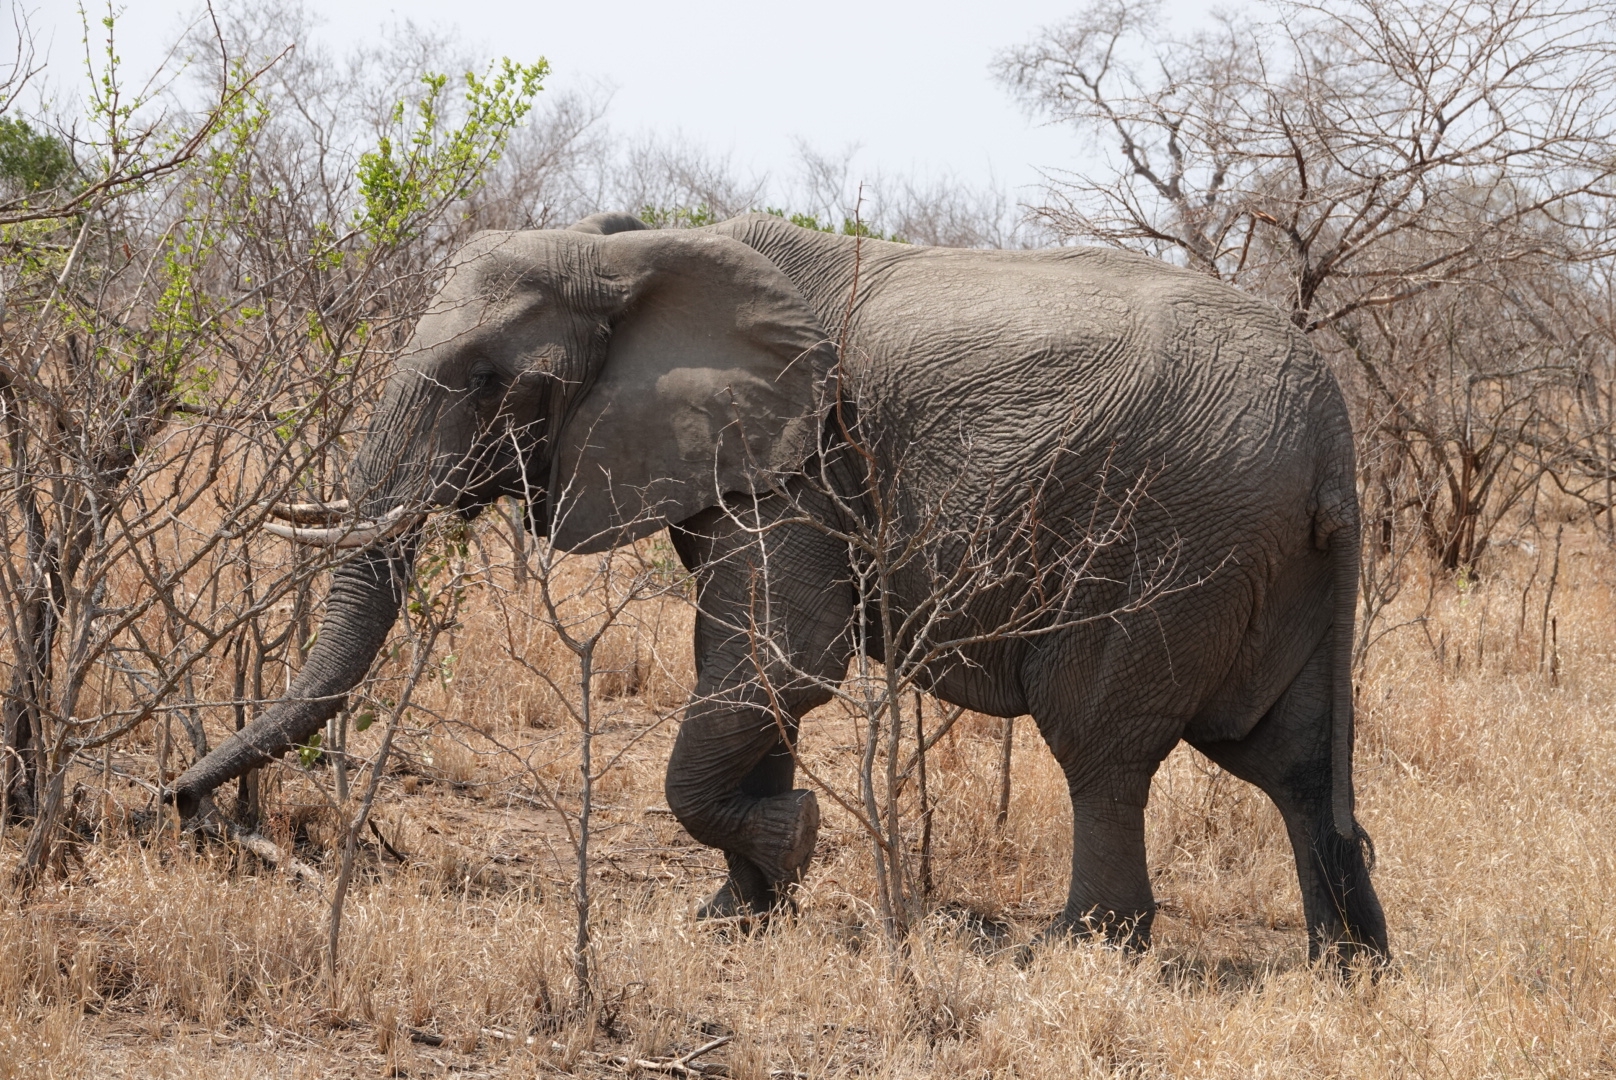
[
  {"x": 849, "y": 226},
  {"x": 694, "y": 217},
  {"x": 31, "y": 161},
  {"x": 678, "y": 217},
  {"x": 198, "y": 314},
  {"x": 426, "y": 163}
]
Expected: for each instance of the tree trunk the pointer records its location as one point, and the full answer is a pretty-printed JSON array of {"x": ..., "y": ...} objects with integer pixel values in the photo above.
[{"x": 1002, "y": 814}]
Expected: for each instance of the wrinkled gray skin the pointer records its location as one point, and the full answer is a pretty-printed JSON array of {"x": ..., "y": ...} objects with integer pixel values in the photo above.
[{"x": 609, "y": 374}]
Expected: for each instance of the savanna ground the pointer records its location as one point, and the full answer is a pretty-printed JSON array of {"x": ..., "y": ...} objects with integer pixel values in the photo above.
[{"x": 1487, "y": 780}]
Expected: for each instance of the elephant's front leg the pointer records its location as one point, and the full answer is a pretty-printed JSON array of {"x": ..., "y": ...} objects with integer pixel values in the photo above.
[
  {"x": 772, "y": 615},
  {"x": 730, "y": 784}
]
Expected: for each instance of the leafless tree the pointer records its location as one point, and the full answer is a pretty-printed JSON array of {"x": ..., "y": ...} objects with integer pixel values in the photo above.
[
  {"x": 674, "y": 182},
  {"x": 432, "y": 607},
  {"x": 555, "y": 170},
  {"x": 940, "y": 212},
  {"x": 949, "y": 212},
  {"x": 1410, "y": 179},
  {"x": 581, "y": 609}
]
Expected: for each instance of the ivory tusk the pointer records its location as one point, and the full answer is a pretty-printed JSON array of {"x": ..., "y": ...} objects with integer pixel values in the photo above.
[
  {"x": 360, "y": 534},
  {"x": 310, "y": 513}
]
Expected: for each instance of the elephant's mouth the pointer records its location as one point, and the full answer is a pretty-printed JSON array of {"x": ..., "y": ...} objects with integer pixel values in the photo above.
[{"x": 484, "y": 478}]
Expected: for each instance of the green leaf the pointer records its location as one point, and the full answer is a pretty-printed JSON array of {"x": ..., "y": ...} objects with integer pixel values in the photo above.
[
  {"x": 427, "y": 163},
  {"x": 32, "y": 161}
]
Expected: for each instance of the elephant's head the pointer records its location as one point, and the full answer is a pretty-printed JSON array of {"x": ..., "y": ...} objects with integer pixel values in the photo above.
[{"x": 617, "y": 381}]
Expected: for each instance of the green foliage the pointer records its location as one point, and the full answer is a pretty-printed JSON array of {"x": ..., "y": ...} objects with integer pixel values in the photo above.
[
  {"x": 215, "y": 198},
  {"x": 429, "y": 162},
  {"x": 666, "y": 568},
  {"x": 678, "y": 217},
  {"x": 439, "y": 590},
  {"x": 849, "y": 226},
  {"x": 32, "y": 161},
  {"x": 803, "y": 221},
  {"x": 308, "y": 754},
  {"x": 694, "y": 217}
]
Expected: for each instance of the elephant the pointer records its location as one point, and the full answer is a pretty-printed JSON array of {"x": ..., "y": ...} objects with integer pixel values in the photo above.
[{"x": 624, "y": 380}]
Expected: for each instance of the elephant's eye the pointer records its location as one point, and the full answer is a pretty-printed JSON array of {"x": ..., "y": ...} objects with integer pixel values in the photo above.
[{"x": 482, "y": 383}]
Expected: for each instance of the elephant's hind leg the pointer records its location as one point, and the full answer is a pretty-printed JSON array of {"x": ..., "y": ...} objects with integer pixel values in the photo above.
[
  {"x": 1110, "y": 890},
  {"x": 730, "y": 776},
  {"x": 1287, "y": 755},
  {"x": 1109, "y": 747}
]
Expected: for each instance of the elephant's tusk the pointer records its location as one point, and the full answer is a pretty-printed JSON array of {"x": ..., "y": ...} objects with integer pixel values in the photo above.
[
  {"x": 310, "y": 513},
  {"x": 360, "y": 534}
]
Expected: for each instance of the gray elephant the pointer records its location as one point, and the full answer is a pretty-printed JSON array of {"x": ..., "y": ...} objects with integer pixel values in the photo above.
[{"x": 627, "y": 380}]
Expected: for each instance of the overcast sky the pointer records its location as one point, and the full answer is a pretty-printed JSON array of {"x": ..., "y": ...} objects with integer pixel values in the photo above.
[{"x": 908, "y": 82}]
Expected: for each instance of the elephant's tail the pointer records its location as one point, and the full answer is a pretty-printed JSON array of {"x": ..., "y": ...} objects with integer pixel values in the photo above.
[{"x": 1337, "y": 527}]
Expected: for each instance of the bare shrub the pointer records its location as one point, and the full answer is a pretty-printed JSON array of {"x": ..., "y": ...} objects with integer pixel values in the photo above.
[
  {"x": 190, "y": 335},
  {"x": 938, "y": 579},
  {"x": 672, "y": 183},
  {"x": 585, "y": 604},
  {"x": 830, "y": 193}
]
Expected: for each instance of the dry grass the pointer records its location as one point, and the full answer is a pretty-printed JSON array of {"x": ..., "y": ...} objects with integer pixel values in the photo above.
[{"x": 1489, "y": 787}]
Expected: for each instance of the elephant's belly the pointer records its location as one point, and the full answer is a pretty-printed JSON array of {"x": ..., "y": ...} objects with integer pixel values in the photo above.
[{"x": 989, "y": 687}]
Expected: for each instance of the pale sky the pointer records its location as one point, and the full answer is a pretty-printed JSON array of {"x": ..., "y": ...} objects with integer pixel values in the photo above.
[{"x": 908, "y": 82}]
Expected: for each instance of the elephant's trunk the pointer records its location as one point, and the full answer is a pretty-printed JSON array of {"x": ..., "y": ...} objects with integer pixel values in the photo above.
[
  {"x": 398, "y": 473},
  {"x": 364, "y": 601}
]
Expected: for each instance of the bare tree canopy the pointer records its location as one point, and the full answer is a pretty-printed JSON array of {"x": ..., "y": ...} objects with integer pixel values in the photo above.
[
  {"x": 1338, "y": 155},
  {"x": 1429, "y": 181}
]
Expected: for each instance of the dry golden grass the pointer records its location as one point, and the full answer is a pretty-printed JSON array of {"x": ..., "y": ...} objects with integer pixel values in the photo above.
[{"x": 1490, "y": 790}]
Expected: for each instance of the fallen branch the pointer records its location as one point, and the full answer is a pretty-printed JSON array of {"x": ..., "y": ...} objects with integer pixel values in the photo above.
[
  {"x": 679, "y": 1066},
  {"x": 210, "y": 824},
  {"x": 683, "y": 1065},
  {"x": 505, "y": 1036},
  {"x": 391, "y": 850}
]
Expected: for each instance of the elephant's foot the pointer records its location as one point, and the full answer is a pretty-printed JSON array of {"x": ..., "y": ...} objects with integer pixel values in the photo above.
[
  {"x": 1130, "y": 932},
  {"x": 747, "y": 900},
  {"x": 781, "y": 831},
  {"x": 778, "y": 845},
  {"x": 1345, "y": 956},
  {"x": 1345, "y": 922}
]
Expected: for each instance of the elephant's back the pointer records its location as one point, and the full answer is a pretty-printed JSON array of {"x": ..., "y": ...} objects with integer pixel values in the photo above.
[{"x": 993, "y": 363}]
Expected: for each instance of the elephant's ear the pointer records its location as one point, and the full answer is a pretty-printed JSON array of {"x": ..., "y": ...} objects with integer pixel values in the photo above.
[{"x": 716, "y": 377}]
